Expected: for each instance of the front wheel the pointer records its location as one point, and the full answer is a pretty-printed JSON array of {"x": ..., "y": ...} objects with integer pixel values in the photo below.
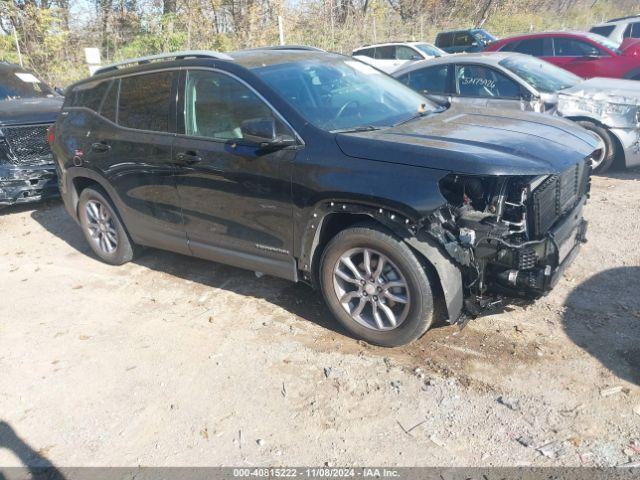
[
  {"x": 376, "y": 287},
  {"x": 609, "y": 152}
]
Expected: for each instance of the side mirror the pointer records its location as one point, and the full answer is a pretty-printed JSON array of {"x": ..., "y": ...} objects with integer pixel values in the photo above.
[
  {"x": 263, "y": 132},
  {"x": 526, "y": 95},
  {"x": 438, "y": 100},
  {"x": 59, "y": 91},
  {"x": 416, "y": 57},
  {"x": 591, "y": 56}
]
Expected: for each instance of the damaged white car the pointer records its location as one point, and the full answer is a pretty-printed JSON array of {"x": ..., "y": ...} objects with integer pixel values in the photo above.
[{"x": 608, "y": 107}]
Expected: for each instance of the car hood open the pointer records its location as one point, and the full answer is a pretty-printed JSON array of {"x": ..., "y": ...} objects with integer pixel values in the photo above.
[
  {"x": 30, "y": 111},
  {"x": 477, "y": 142},
  {"x": 616, "y": 103}
]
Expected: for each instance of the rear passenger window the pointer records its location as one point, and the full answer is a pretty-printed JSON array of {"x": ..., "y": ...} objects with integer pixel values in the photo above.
[
  {"x": 89, "y": 95},
  {"x": 145, "y": 101},
  {"x": 635, "y": 30},
  {"x": 428, "y": 80},
  {"x": 533, "y": 46},
  {"x": 110, "y": 104},
  {"x": 386, "y": 53}
]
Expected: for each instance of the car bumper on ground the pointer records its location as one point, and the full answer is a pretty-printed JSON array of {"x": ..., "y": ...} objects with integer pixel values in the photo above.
[{"x": 22, "y": 184}]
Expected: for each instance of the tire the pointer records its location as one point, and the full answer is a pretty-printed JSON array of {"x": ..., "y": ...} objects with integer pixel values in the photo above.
[
  {"x": 610, "y": 147},
  {"x": 103, "y": 228},
  {"x": 413, "y": 317}
]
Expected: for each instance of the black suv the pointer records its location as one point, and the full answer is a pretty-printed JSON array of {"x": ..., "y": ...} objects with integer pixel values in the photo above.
[
  {"x": 460, "y": 41},
  {"x": 316, "y": 167},
  {"x": 28, "y": 107}
]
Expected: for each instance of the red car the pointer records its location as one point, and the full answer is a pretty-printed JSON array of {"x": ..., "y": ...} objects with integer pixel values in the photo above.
[{"x": 585, "y": 54}]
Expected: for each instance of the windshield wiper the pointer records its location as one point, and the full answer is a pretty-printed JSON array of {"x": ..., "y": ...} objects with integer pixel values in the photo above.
[
  {"x": 413, "y": 117},
  {"x": 361, "y": 128}
]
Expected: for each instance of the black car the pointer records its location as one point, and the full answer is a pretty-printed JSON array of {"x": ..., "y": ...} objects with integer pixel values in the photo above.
[
  {"x": 316, "y": 167},
  {"x": 28, "y": 107},
  {"x": 459, "y": 41}
]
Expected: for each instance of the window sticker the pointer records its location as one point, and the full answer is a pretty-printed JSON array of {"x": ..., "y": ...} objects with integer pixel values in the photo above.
[
  {"x": 27, "y": 77},
  {"x": 482, "y": 82}
]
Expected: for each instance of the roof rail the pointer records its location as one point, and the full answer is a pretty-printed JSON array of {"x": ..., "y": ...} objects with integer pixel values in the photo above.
[
  {"x": 623, "y": 18},
  {"x": 164, "y": 56},
  {"x": 289, "y": 47}
]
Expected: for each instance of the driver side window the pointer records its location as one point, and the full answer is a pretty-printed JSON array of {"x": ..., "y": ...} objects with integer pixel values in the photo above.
[
  {"x": 569, "y": 47},
  {"x": 217, "y": 104},
  {"x": 480, "y": 81}
]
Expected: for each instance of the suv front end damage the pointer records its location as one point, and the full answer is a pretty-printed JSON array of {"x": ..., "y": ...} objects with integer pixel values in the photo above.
[
  {"x": 27, "y": 171},
  {"x": 511, "y": 236}
]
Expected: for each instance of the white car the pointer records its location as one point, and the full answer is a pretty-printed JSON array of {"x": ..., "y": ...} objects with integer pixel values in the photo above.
[
  {"x": 389, "y": 57},
  {"x": 619, "y": 29}
]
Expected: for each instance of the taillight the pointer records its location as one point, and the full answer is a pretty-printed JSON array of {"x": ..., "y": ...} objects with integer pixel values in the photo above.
[{"x": 51, "y": 135}]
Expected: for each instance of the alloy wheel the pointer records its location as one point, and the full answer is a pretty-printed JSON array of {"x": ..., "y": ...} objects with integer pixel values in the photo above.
[
  {"x": 371, "y": 289},
  {"x": 101, "y": 227}
]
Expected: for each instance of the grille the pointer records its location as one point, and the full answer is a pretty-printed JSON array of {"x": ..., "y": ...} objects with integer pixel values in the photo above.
[
  {"x": 28, "y": 145},
  {"x": 556, "y": 196}
]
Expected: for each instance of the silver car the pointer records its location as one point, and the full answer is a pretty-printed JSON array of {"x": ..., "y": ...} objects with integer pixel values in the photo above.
[{"x": 610, "y": 108}]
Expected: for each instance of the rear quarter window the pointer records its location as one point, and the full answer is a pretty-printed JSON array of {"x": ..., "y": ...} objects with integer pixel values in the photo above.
[
  {"x": 605, "y": 30},
  {"x": 365, "y": 52},
  {"x": 88, "y": 95},
  {"x": 145, "y": 101}
]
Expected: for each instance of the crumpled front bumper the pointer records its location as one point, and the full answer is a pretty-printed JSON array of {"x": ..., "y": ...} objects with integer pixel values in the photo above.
[{"x": 24, "y": 183}]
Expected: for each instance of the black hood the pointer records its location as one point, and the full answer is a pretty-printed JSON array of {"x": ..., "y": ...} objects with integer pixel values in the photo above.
[
  {"x": 477, "y": 142},
  {"x": 30, "y": 110}
]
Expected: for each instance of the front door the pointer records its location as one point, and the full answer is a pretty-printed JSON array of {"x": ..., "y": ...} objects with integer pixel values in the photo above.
[
  {"x": 235, "y": 196},
  {"x": 482, "y": 86}
]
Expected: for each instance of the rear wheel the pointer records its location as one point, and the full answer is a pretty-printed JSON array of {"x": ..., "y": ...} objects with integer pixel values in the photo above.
[
  {"x": 102, "y": 228},
  {"x": 376, "y": 286},
  {"x": 604, "y": 161}
]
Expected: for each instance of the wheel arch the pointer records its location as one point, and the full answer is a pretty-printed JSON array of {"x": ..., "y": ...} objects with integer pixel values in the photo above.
[
  {"x": 444, "y": 275},
  {"x": 620, "y": 158}
]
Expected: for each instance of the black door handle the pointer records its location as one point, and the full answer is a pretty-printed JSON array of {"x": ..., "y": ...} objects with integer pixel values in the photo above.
[
  {"x": 187, "y": 158},
  {"x": 100, "y": 147}
]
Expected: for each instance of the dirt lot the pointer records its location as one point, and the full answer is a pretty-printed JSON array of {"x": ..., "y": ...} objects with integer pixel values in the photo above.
[{"x": 175, "y": 361}]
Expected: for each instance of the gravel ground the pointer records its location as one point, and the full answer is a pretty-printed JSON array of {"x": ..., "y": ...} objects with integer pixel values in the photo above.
[{"x": 175, "y": 361}]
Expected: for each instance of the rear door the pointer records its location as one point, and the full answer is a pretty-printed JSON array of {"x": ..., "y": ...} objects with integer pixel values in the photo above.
[
  {"x": 132, "y": 149},
  {"x": 236, "y": 196}
]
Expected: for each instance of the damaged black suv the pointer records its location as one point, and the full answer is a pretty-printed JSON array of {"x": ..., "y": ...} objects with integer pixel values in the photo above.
[
  {"x": 28, "y": 107},
  {"x": 315, "y": 167}
]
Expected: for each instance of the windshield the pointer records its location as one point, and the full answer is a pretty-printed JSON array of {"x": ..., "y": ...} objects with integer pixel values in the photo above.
[
  {"x": 605, "y": 42},
  {"x": 484, "y": 35},
  {"x": 541, "y": 75},
  {"x": 20, "y": 84},
  {"x": 430, "y": 50},
  {"x": 338, "y": 93}
]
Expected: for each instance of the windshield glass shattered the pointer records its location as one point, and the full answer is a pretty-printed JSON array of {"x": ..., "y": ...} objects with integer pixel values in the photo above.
[
  {"x": 541, "y": 75},
  {"x": 21, "y": 84},
  {"x": 341, "y": 94}
]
